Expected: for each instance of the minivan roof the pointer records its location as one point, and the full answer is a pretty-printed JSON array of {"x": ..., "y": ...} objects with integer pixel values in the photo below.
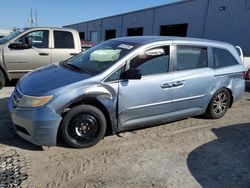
[{"x": 150, "y": 39}]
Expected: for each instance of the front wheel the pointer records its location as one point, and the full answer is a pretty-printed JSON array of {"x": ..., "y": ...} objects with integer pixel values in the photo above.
[
  {"x": 83, "y": 126},
  {"x": 219, "y": 104}
]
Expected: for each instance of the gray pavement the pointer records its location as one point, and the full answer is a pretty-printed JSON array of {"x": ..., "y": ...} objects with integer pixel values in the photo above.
[{"x": 193, "y": 152}]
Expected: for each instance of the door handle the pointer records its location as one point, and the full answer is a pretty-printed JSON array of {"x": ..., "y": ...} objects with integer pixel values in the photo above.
[
  {"x": 178, "y": 83},
  {"x": 73, "y": 54},
  {"x": 172, "y": 84},
  {"x": 166, "y": 85},
  {"x": 43, "y": 54}
]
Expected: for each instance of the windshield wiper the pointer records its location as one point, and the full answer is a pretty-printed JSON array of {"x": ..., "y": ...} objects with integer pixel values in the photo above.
[{"x": 72, "y": 67}]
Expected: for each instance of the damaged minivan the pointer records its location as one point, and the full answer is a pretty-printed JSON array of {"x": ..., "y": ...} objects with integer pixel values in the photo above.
[{"x": 123, "y": 84}]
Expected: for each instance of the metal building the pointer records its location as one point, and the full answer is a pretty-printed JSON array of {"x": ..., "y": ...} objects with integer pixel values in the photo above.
[{"x": 224, "y": 20}]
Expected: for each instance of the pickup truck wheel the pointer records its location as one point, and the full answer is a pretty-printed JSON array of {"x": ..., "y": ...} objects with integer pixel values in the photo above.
[
  {"x": 219, "y": 104},
  {"x": 83, "y": 126},
  {"x": 2, "y": 80}
]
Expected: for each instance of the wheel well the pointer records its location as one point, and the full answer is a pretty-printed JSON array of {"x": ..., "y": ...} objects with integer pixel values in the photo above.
[
  {"x": 231, "y": 97},
  {"x": 100, "y": 106},
  {"x": 4, "y": 73}
]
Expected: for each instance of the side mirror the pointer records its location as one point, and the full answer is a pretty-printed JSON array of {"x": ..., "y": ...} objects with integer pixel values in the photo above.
[
  {"x": 29, "y": 42},
  {"x": 19, "y": 46},
  {"x": 131, "y": 74}
]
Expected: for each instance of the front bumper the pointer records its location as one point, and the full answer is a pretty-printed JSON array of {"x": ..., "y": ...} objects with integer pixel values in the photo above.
[{"x": 36, "y": 125}]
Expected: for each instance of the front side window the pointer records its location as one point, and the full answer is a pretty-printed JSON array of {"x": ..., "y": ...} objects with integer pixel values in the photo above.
[
  {"x": 190, "y": 57},
  {"x": 223, "y": 58},
  {"x": 153, "y": 61},
  {"x": 40, "y": 38},
  {"x": 63, "y": 39},
  {"x": 101, "y": 57},
  {"x": 116, "y": 75}
]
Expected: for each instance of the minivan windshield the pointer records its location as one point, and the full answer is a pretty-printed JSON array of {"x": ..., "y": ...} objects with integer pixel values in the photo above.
[
  {"x": 9, "y": 37},
  {"x": 100, "y": 57}
]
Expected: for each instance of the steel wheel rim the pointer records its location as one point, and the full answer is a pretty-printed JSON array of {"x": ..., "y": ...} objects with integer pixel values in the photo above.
[
  {"x": 83, "y": 128},
  {"x": 220, "y": 103}
]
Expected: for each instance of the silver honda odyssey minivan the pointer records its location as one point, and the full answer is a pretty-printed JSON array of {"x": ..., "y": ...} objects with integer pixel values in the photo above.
[{"x": 123, "y": 84}]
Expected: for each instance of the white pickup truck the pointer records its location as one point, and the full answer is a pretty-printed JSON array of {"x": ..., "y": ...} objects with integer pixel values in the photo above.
[{"x": 25, "y": 50}]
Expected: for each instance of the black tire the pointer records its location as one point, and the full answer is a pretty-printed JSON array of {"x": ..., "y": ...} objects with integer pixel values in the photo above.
[
  {"x": 219, "y": 104},
  {"x": 2, "y": 80},
  {"x": 83, "y": 126}
]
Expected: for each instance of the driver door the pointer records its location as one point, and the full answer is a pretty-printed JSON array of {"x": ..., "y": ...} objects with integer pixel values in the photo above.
[
  {"x": 21, "y": 61},
  {"x": 147, "y": 100}
]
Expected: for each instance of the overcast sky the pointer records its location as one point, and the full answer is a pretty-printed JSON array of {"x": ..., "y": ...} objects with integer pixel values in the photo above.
[{"x": 15, "y": 13}]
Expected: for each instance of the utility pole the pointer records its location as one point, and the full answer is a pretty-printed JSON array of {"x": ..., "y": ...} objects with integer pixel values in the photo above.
[
  {"x": 32, "y": 20},
  {"x": 36, "y": 17}
]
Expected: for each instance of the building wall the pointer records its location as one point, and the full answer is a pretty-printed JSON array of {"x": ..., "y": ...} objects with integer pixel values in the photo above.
[
  {"x": 225, "y": 20},
  {"x": 192, "y": 13},
  {"x": 83, "y": 27},
  {"x": 114, "y": 22},
  {"x": 231, "y": 24},
  {"x": 139, "y": 19}
]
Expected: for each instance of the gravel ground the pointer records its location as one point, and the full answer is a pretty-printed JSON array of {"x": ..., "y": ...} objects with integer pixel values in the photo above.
[{"x": 194, "y": 152}]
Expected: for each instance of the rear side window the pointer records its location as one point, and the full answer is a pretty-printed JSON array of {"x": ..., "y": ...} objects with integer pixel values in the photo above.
[
  {"x": 190, "y": 57},
  {"x": 223, "y": 58},
  {"x": 63, "y": 39}
]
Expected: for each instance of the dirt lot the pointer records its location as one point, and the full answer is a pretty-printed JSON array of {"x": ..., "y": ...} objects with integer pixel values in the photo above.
[{"x": 194, "y": 152}]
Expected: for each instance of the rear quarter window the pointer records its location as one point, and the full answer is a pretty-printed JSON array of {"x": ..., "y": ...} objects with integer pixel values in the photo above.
[
  {"x": 63, "y": 39},
  {"x": 223, "y": 58}
]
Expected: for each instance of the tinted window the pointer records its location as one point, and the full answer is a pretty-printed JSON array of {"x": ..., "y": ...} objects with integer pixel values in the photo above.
[
  {"x": 223, "y": 58},
  {"x": 40, "y": 38},
  {"x": 149, "y": 63},
  {"x": 189, "y": 57},
  {"x": 63, "y": 39}
]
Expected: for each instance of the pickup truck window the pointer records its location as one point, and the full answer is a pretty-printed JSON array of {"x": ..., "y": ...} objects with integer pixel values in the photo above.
[
  {"x": 40, "y": 38},
  {"x": 63, "y": 39}
]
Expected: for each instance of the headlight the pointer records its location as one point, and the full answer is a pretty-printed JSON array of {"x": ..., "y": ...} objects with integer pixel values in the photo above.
[{"x": 31, "y": 101}]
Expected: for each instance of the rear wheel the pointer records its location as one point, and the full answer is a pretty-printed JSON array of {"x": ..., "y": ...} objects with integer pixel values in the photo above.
[
  {"x": 219, "y": 104},
  {"x": 2, "y": 80},
  {"x": 83, "y": 126}
]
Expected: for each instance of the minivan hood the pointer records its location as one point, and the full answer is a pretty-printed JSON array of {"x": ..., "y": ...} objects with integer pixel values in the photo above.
[{"x": 49, "y": 78}]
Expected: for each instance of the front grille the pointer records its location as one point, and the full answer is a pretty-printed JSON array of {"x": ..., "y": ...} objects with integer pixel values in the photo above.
[
  {"x": 21, "y": 129},
  {"x": 16, "y": 96}
]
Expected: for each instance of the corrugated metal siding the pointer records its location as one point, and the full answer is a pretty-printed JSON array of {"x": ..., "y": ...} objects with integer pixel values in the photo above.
[
  {"x": 93, "y": 26},
  {"x": 138, "y": 19},
  {"x": 192, "y": 12},
  {"x": 230, "y": 25},
  {"x": 112, "y": 23},
  {"x": 83, "y": 27},
  {"x": 73, "y": 26},
  {"x": 204, "y": 19}
]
